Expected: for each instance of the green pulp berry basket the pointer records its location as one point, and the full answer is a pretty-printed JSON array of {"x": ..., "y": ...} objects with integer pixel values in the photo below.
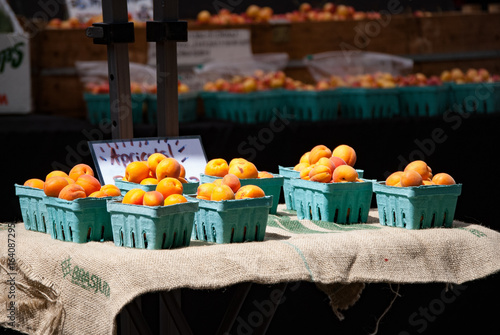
[
  {"x": 247, "y": 108},
  {"x": 333, "y": 202},
  {"x": 99, "y": 108},
  {"x": 288, "y": 191},
  {"x": 231, "y": 221},
  {"x": 417, "y": 207},
  {"x": 270, "y": 186},
  {"x": 423, "y": 100},
  {"x": 125, "y": 186},
  {"x": 80, "y": 220},
  {"x": 33, "y": 209},
  {"x": 187, "y": 107},
  {"x": 147, "y": 227},
  {"x": 475, "y": 97},
  {"x": 368, "y": 103},
  {"x": 313, "y": 105}
]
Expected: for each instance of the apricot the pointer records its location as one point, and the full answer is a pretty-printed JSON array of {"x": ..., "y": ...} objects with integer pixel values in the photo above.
[
  {"x": 249, "y": 191},
  {"x": 54, "y": 185},
  {"x": 346, "y": 152},
  {"x": 421, "y": 167},
  {"x": 301, "y": 166},
  {"x": 304, "y": 173},
  {"x": 337, "y": 161},
  {"x": 72, "y": 192},
  {"x": 98, "y": 194},
  {"x": 428, "y": 182},
  {"x": 317, "y": 152},
  {"x": 394, "y": 178},
  {"x": 264, "y": 174},
  {"x": 35, "y": 183},
  {"x": 411, "y": 178},
  {"x": 232, "y": 181},
  {"x": 153, "y": 161},
  {"x": 244, "y": 170},
  {"x": 79, "y": 169},
  {"x": 217, "y": 182},
  {"x": 222, "y": 192},
  {"x": 135, "y": 172},
  {"x": 236, "y": 161},
  {"x": 443, "y": 178},
  {"x": 110, "y": 190},
  {"x": 182, "y": 180},
  {"x": 320, "y": 173},
  {"x": 173, "y": 199},
  {"x": 56, "y": 173},
  {"x": 168, "y": 186},
  {"x": 89, "y": 183},
  {"x": 344, "y": 173},
  {"x": 153, "y": 198},
  {"x": 183, "y": 172},
  {"x": 204, "y": 191},
  {"x": 217, "y": 167},
  {"x": 305, "y": 158},
  {"x": 168, "y": 168},
  {"x": 134, "y": 196},
  {"x": 149, "y": 181},
  {"x": 326, "y": 161}
]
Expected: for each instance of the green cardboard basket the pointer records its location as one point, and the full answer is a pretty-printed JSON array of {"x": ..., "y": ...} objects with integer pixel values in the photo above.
[
  {"x": 368, "y": 103},
  {"x": 288, "y": 191},
  {"x": 79, "y": 220},
  {"x": 231, "y": 221},
  {"x": 417, "y": 207},
  {"x": 125, "y": 186},
  {"x": 423, "y": 100},
  {"x": 475, "y": 97},
  {"x": 187, "y": 107},
  {"x": 99, "y": 108},
  {"x": 33, "y": 209},
  {"x": 148, "y": 227},
  {"x": 313, "y": 105},
  {"x": 332, "y": 202},
  {"x": 270, "y": 186},
  {"x": 247, "y": 108}
]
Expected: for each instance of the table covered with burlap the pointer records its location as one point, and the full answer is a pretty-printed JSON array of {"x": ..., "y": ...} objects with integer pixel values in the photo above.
[{"x": 61, "y": 287}]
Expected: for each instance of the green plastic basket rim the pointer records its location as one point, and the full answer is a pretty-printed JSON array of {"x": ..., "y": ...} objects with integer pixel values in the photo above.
[
  {"x": 151, "y": 211},
  {"x": 225, "y": 205},
  {"x": 180, "y": 96},
  {"x": 415, "y": 191},
  {"x": 77, "y": 204},
  {"x": 332, "y": 187},
  {"x": 103, "y": 96},
  {"x": 424, "y": 89},
  {"x": 29, "y": 191}
]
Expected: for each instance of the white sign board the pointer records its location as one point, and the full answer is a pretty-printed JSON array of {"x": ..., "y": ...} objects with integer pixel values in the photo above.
[
  {"x": 140, "y": 10},
  {"x": 112, "y": 156},
  {"x": 204, "y": 46},
  {"x": 15, "y": 74}
]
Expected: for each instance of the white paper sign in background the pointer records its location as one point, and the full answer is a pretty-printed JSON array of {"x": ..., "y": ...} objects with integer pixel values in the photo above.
[
  {"x": 141, "y": 10},
  {"x": 112, "y": 156}
]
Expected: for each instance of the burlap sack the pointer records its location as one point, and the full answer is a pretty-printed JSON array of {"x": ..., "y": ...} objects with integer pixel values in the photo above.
[{"x": 63, "y": 288}]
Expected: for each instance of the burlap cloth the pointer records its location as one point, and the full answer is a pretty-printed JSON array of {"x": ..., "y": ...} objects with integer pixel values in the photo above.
[{"x": 64, "y": 288}]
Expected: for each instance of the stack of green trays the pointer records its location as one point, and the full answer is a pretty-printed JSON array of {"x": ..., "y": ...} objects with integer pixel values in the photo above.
[
  {"x": 187, "y": 107},
  {"x": 99, "y": 108}
]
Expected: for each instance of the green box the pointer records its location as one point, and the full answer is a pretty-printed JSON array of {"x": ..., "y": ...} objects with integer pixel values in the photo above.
[
  {"x": 99, "y": 107},
  {"x": 231, "y": 221},
  {"x": 33, "y": 209},
  {"x": 313, "y": 105},
  {"x": 423, "y": 100},
  {"x": 368, "y": 103},
  {"x": 125, "y": 186},
  {"x": 187, "y": 107},
  {"x": 148, "y": 227},
  {"x": 79, "y": 220},
  {"x": 417, "y": 207}
]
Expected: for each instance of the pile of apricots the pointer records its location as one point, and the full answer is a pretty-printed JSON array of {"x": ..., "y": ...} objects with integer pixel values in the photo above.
[
  {"x": 165, "y": 172},
  {"x": 321, "y": 164},
  {"x": 228, "y": 186},
  {"x": 78, "y": 183},
  {"x": 418, "y": 173}
]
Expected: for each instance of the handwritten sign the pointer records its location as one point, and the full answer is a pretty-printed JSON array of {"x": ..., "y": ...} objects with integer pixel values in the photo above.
[
  {"x": 141, "y": 10},
  {"x": 112, "y": 156},
  {"x": 205, "y": 46}
]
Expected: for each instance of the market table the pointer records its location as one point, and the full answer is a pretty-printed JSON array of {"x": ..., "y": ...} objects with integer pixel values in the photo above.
[{"x": 65, "y": 287}]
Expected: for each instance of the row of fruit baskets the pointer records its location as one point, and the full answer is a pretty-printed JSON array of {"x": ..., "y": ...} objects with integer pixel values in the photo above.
[
  {"x": 258, "y": 98},
  {"x": 153, "y": 205}
]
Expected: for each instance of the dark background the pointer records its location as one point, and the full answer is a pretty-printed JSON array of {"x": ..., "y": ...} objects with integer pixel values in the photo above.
[{"x": 189, "y": 9}]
